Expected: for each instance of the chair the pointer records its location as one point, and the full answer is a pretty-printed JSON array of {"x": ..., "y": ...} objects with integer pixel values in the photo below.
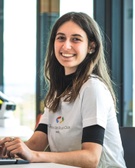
[{"x": 128, "y": 141}]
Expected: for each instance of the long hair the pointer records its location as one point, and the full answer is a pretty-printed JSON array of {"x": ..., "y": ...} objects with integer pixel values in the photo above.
[{"x": 94, "y": 63}]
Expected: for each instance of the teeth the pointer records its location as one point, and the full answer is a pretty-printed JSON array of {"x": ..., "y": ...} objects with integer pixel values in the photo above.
[{"x": 67, "y": 55}]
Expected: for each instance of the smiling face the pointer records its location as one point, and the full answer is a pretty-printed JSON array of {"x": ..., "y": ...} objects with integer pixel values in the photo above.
[{"x": 71, "y": 46}]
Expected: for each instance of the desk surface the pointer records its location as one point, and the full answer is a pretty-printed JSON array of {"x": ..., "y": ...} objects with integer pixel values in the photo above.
[
  {"x": 36, "y": 165},
  {"x": 23, "y": 132}
]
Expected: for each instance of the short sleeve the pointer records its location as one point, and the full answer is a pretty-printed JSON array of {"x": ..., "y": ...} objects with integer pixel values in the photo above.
[
  {"x": 44, "y": 117},
  {"x": 96, "y": 103}
]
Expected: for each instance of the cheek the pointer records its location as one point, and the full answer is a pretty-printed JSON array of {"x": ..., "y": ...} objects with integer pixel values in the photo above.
[
  {"x": 84, "y": 50},
  {"x": 56, "y": 51},
  {"x": 56, "y": 47}
]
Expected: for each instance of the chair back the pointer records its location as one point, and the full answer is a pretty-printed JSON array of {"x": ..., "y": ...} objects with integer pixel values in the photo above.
[{"x": 128, "y": 141}]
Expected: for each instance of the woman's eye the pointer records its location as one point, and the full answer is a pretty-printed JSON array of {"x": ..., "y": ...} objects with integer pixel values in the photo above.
[
  {"x": 76, "y": 39},
  {"x": 60, "y": 38}
]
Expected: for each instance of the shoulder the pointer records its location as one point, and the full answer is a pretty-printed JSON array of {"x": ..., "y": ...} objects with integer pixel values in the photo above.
[
  {"x": 94, "y": 88},
  {"x": 94, "y": 82}
]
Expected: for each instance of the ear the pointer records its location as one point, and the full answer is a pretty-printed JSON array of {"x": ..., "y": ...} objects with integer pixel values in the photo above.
[{"x": 91, "y": 48}]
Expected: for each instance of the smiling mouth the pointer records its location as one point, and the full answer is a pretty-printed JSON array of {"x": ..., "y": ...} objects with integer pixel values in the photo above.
[{"x": 67, "y": 55}]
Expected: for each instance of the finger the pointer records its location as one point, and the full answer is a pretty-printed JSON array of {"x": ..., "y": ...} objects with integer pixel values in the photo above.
[
  {"x": 7, "y": 139},
  {"x": 8, "y": 142},
  {"x": 10, "y": 154},
  {"x": 11, "y": 146},
  {"x": 4, "y": 151},
  {"x": 1, "y": 151},
  {"x": 12, "y": 138}
]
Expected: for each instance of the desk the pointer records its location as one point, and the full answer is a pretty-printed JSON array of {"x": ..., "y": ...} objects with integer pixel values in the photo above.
[
  {"x": 23, "y": 132},
  {"x": 36, "y": 165}
]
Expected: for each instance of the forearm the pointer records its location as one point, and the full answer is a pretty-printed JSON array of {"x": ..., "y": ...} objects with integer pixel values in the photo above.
[
  {"x": 37, "y": 142},
  {"x": 33, "y": 145},
  {"x": 81, "y": 158}
]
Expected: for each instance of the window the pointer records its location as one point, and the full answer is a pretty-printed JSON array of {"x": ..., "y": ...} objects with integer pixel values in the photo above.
[
  {"x": 78, "y": 6},
  {"x": 133, "y": 63},
  {"x": 20, "y": 58},
  {"x": 128, "y": 112}
]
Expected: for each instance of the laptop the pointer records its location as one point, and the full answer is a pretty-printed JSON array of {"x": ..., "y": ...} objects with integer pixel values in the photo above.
[{"x": 7, "y": 161}]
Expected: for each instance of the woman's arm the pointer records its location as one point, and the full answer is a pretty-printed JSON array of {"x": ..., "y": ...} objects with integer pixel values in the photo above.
[
  {"x": 38, "y": 141},
  {"x": 88, "y": 157},
  {"x": 15, "y": 146},
  {"x": 33, "y": 150}
]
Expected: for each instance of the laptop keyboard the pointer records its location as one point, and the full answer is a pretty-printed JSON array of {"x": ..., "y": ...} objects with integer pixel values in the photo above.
[{"x": 5, "y": 161}]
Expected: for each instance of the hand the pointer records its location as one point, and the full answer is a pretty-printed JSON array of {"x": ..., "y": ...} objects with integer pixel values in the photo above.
[
  {"x": 2, "y": 148},
  {"x": 15, "y": 146},
  {"x": 1, "y": 151}
]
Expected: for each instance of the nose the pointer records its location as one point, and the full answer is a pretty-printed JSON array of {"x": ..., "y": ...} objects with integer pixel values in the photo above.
[{"x": 67, "y": 45}]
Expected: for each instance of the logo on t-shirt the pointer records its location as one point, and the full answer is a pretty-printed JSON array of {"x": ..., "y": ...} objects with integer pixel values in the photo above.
[{"x": 59, "y": 119}]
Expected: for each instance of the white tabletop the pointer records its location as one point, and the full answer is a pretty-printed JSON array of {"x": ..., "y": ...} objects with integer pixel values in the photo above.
[
  {"x": 36, "y": 165},
  {"x": 23, "y": 132}
]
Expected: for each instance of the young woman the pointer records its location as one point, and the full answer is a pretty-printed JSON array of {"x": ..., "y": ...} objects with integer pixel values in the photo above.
[{"x": 79, "y": 122}]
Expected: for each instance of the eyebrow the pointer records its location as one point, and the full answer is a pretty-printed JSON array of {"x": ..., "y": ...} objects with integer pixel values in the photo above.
[{"x": 59, "y": 33}]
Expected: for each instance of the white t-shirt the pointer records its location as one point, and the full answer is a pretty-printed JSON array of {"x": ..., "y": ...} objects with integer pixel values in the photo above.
[{"x": 93, "y": 106}]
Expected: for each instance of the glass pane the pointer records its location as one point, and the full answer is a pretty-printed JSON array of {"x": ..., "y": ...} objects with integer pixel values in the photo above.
[
  {"x": 134, "y": 63},
  {"x": 49, "y": 13},
  {"x": 20, "y": 58},
  {"x": 78, "y": 6},
  {"x": 128, "y": 63}
]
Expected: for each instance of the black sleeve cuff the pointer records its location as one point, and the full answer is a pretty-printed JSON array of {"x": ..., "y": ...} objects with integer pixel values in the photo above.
[
  {"x": 93, "y": 133},
  {"x": 42, "y": 127}
]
